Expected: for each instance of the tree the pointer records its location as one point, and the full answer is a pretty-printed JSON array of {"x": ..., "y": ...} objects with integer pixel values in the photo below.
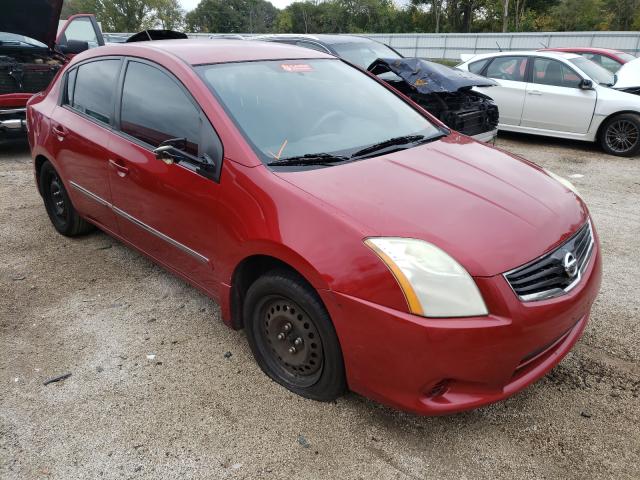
[
  {"x": 572, "y": 15},
  {"x": 129, "y": 15},
  {"x": 232, "y": 16},
  {"x": 622, "y": 13},
  {"x": 168, "y": 14}
]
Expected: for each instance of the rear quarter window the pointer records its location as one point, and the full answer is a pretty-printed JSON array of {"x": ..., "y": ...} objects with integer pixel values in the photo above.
[{"x": 477, "y": 67}]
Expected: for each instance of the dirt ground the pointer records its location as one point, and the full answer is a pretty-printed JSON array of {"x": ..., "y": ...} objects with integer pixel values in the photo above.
[{"x": 154, "y": 393}]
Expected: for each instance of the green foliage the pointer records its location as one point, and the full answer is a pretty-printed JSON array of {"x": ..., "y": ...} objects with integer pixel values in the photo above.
[
  {"x": 232, "y": 16},
  {"x": 359, "y": 16},
  {"x": 129, "y": 15}
]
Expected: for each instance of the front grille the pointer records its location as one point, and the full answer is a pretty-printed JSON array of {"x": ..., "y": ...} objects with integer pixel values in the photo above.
[
  {"x": 473, "y": 122},
  {"x": 556, "y": 272}
]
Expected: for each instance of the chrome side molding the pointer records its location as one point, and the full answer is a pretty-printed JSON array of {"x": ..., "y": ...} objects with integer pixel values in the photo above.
[{"x": 121, "y": 213}]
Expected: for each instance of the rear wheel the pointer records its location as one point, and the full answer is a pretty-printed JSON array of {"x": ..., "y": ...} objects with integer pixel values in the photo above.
[
  {"x": 621, "y": 135},
  {"x": 63, "y": 216},
  {"x": 292, "y": 336}
]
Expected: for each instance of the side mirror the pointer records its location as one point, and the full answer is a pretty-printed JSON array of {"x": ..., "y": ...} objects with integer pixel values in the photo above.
[
  {"x": 168, "y": 153},
  {"x": 74, "y": 47},
  {"x": 586, "y": 84}
]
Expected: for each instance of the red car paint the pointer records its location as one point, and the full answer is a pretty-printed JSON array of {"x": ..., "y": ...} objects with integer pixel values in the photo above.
[
  {"x": 606, "y": 52},
  {"x": 488, "y": 209}
]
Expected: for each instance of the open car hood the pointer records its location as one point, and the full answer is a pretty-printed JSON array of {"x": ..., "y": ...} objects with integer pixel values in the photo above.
[
  {"x": 629, "y": 75},
  {"x": 37, "y": 19},
  {"x": 147, "y": 35},
  {"x": 429, "y": 77}
]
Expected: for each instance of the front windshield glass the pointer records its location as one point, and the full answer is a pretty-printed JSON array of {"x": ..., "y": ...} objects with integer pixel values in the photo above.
[
  {"x": 363, "y": 54},
  {"x": 11, "y": 39},
  {"x": 627, "y": 57},
  {"x": 597, "y": 73},
  {"x": 292, "y": 108}
]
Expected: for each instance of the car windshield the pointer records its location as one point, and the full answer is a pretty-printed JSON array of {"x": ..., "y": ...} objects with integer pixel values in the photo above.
[
  {"x": 11, "y": 39},
  {"x": 363, "y": 54},
  {"x": 292, "y": 108},
  {"x": 597, "y": 73},
  {"x": 627, "y": 57}
]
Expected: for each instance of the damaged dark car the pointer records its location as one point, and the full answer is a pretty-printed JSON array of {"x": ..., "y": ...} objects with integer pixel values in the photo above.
[
  {"x": 444, "y": 92},
  {"x": 32, "y": 51}
]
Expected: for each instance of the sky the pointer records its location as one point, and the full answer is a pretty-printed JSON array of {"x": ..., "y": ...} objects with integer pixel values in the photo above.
[{"x": 191, "y": 4}]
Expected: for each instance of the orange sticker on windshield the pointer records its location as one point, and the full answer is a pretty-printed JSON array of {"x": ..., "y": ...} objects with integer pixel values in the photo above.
[{"x": 296, "y": 67}]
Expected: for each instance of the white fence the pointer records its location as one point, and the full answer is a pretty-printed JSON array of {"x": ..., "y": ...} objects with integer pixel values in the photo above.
[{"x": 451, "y": 45}]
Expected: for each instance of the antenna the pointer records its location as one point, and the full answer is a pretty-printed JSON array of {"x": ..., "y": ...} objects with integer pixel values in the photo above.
[{"x": 499, "y": 47}]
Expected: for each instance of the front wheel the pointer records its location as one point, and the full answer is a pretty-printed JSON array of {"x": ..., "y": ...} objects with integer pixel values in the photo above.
[
  {"x": 292, "y": 337},
  {"x": 621, "y": 135}
]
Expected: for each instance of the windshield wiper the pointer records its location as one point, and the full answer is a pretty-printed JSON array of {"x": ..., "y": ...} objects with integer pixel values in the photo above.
[
  {"x": 395, "y": 142},
  {"x": 309, "y": 159}
]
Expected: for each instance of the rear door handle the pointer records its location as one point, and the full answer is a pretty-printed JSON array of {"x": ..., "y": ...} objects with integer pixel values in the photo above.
[
  {"x": 121, "y": 169},
  {"x": 534, "y": 92},
  {"x": 59, "y": 131}
]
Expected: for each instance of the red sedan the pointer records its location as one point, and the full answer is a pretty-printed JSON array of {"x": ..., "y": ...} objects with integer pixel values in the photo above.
[
  {"x": 358, "y": 241},
  {"x": 608, "y": 58}
]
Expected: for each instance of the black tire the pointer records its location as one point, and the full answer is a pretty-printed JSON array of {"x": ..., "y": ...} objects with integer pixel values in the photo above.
[
  {"x": 316, "y": 369},
  {"x": 620, "y": 135},
  {"x": 63, "y": 216}
]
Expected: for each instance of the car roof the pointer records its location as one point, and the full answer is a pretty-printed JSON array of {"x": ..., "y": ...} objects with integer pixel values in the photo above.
[
  {"x": 582, "y": 49},
  {"x": 535, "y": 53},
  {"x": 205, "y": 51},
  {"x": 329, "y": 39}
]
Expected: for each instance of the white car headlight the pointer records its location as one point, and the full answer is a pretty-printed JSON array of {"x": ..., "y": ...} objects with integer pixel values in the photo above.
[
  {"x": 434, "y": 284},
  {"x": 563, "y": 181}
]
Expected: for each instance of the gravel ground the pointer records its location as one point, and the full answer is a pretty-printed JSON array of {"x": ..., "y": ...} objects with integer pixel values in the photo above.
[{"x": 160, "y": 388}]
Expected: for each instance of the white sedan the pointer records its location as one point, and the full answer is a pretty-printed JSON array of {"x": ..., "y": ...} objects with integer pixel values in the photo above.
[{"x": 564, "y": 95}]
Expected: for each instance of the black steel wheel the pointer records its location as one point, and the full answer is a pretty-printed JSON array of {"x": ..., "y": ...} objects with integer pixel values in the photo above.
[
  {"x": 621, "y": 135},
  {"x": 63, "y": 216},
  {"x": 292, "y": 337}
]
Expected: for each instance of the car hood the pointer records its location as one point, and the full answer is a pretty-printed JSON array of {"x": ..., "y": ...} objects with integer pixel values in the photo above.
[
  {"x": 37, "y": 19},
  {"x": 429, "y": 77},
  {"x": 629, "y": 75},
  {"x": 489, "y": 210}
]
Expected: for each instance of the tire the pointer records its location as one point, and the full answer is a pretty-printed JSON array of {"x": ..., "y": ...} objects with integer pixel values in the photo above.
[
  {"x": 63, "y": 216},
  {"x": 620, "y": 135},
  {"x": 316, "y": 369}
]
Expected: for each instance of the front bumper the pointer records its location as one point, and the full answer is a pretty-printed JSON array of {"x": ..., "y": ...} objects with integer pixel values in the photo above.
[
  {"x": 434, "y": 366},
  {"x": 486, "y": 137}
]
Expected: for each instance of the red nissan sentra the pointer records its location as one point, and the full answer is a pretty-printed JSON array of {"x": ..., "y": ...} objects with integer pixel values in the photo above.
[{"x": 360, "y": 243}]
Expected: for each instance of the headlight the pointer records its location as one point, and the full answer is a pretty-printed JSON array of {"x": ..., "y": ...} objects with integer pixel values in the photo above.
[
  {"x": 563, "y": 181},
  {"x": 434, "y": 284}
]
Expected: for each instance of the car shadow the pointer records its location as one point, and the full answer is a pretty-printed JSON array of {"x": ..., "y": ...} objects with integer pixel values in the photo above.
[
  {"x": 542, "y": 141},
  {"x": 9, "y": 149}
]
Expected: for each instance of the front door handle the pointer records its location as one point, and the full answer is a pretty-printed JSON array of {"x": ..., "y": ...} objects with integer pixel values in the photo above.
[
  {"x": 59, "y": 131},
  {"x": 534, "y": 92},
  {"x": 120, "y": 167}
]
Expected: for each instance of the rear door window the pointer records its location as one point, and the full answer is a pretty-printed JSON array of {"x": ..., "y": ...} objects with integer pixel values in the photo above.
[
  {"x": 94, "y": 89},
  {"x": 155, "y": 108},
  {"x": 508, "y": 68}
]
